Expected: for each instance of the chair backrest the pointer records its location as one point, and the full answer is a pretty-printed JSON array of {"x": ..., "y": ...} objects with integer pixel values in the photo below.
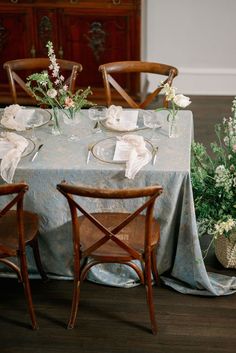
[
  {"x": 16, "y": 70},
  {"x": 125, "y": 67},
  {"x": 150, "y": 194},
  {"x": 17, "y": 191}
]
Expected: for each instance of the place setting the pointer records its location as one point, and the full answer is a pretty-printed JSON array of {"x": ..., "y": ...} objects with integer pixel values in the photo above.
[
  {"x": 17, "y": 118},
  {"x": 120, "y": 120},
  {"x": 14, "y": 145},
  {"x": 127, "y": 147},
  {"x": 131, "y": 150}
]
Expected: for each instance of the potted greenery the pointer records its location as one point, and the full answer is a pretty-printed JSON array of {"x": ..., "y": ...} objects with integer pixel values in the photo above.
[{"x": 214, "y": 190}]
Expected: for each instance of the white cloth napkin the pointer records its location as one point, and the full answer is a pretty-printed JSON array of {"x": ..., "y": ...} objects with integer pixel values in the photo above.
[
  {"x": 121, "y": 120},
  {"x": 11, "y": 148},
  {"x": 132, "y": 148},
  {"x": 16, "y": 117}
]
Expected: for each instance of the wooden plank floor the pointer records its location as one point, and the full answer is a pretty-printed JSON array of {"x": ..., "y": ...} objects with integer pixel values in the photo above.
[{"x": 115, "y": 320}]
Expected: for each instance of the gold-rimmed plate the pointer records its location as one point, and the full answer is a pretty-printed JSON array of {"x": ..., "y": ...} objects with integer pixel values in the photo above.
[
  {"x": 127, "y": 115},
  {"x": 130, "y": 120},
  {"x": 28, "y": 150},
  {"x": 104, "y": 150},
  {"x": 40, "y": 117}
]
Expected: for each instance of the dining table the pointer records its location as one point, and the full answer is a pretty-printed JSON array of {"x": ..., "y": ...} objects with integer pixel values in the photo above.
[{"x": 179, "y": 259}]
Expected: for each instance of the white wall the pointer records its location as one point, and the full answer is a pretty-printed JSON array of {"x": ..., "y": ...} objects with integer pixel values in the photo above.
[{"x": 196, "y": 36}]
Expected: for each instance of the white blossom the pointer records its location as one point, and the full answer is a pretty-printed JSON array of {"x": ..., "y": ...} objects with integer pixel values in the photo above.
[
  {"x": 52, "y": 93},
  {"x": 224, "y": 227},
  {"x": 181, "y": 101}
]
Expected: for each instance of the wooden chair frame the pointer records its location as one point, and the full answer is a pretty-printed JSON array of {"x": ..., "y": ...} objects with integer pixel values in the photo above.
[
  {"x": 147, "y": 256},
  {"x": 109, "y": 69},
  {"x": 35, "y": 64},
  {"x": 16, "y": 246}
]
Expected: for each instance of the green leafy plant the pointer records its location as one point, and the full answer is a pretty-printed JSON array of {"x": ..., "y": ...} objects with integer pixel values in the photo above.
[{"x": 214, "y": 181}]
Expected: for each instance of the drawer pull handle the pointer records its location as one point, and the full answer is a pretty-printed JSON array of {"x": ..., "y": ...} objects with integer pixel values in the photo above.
[
  {"x": 74, "y": 1},
  {"x": 116, "y": 2},
  {"x": 33, "y": 51},
  {"x": 61, "y": 52},
  {"x": 14, "y": 1}
]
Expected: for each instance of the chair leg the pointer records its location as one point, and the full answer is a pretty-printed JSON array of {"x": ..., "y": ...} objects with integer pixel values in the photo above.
[
  {"x": 14, "y": 267},
  {"x": 27, "y": 290},
  {"x": 154, "y": 266},
  {"x": 35, "y": 246},
  {"x": 149, "y": 294},
  {"x": 75, "y": 303}
]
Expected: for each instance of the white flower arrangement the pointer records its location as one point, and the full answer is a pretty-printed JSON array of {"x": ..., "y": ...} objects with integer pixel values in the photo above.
[
  {"x": 48, "y": 88},
  {"x": 177, "y": 100}
]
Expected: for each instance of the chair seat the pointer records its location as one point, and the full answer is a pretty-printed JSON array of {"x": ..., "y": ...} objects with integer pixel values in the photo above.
[
  {"x": 129, "y": 235},
  {"x": 9, "y": 231}
]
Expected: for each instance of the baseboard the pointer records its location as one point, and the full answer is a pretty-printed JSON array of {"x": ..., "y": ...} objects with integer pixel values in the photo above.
[
  {"x": 207, "y": 81},
  {"x": 204, "y": 81}
]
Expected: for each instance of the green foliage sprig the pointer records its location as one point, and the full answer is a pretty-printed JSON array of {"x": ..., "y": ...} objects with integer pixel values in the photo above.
[{"x": 214, "y": 180}]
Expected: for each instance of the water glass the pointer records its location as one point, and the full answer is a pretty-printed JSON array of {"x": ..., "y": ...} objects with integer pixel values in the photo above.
[
  {"x": 98, "y": 113},
  {"x": 151, "y": 120}
]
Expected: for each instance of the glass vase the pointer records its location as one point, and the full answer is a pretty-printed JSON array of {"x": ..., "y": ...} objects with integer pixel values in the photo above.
[
  {"x": 173, "y": 130},
  {"x": 56, "y": 129}
]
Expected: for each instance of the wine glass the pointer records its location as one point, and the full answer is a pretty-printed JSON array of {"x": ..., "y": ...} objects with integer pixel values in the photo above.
[
  {"x": 97, "y": 113},
  {"x": 72, "y": 117},
  {"x": 151, "y": 120},
  {"x": 34, "y": 121}
]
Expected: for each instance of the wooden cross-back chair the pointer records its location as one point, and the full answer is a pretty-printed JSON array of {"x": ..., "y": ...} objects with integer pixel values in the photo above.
[
  {"x": 19, "y": 228},
  {"x": 124, "y": 67},
  {"x": 114, "y": 237},
  {"x": 16, "y": 68}
]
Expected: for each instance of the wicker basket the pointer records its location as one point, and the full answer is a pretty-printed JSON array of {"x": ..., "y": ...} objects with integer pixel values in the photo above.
[{"x": 225, "y": 250}]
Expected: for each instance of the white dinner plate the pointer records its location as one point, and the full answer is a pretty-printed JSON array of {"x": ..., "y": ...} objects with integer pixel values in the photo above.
[
  {"x": 28, "y": 150},
  {"x": 125, "y": 115},
  {"x": 104, "y": 150},
  {"x": 140, "y": 122},
  {"x": 39, "y": 118}
]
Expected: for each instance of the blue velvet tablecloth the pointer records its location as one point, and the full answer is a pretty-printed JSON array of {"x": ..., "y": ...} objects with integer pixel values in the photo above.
[{"x": 180, "y": 260}]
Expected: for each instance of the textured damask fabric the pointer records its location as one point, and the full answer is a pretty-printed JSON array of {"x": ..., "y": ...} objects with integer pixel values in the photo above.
[{"x": 179, "y": 256}]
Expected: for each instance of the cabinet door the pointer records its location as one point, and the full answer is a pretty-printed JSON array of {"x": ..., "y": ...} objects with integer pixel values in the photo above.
[
  {"x": 46, "y": 28},
  {"x": 15, "y": 36},
  {"x": 95, "y": 37}
]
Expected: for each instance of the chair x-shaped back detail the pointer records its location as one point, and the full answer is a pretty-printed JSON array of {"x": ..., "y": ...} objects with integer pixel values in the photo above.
[
  {"x": 129, "y": 251},
  {"x": 122, "y": 67},
  {"x": 15, "y": 68}
]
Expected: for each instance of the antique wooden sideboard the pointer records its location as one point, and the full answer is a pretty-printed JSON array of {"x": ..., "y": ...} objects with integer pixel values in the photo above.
[{"x": 90, "y": 32}]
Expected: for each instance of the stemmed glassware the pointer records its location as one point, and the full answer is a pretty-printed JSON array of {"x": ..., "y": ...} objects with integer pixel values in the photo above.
[
  {"x": 97, "y": 113},
  {"x": 34, "y": 121},
  {"x": 151, "y": 120},
  {"x": 72, "y": 118}
]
